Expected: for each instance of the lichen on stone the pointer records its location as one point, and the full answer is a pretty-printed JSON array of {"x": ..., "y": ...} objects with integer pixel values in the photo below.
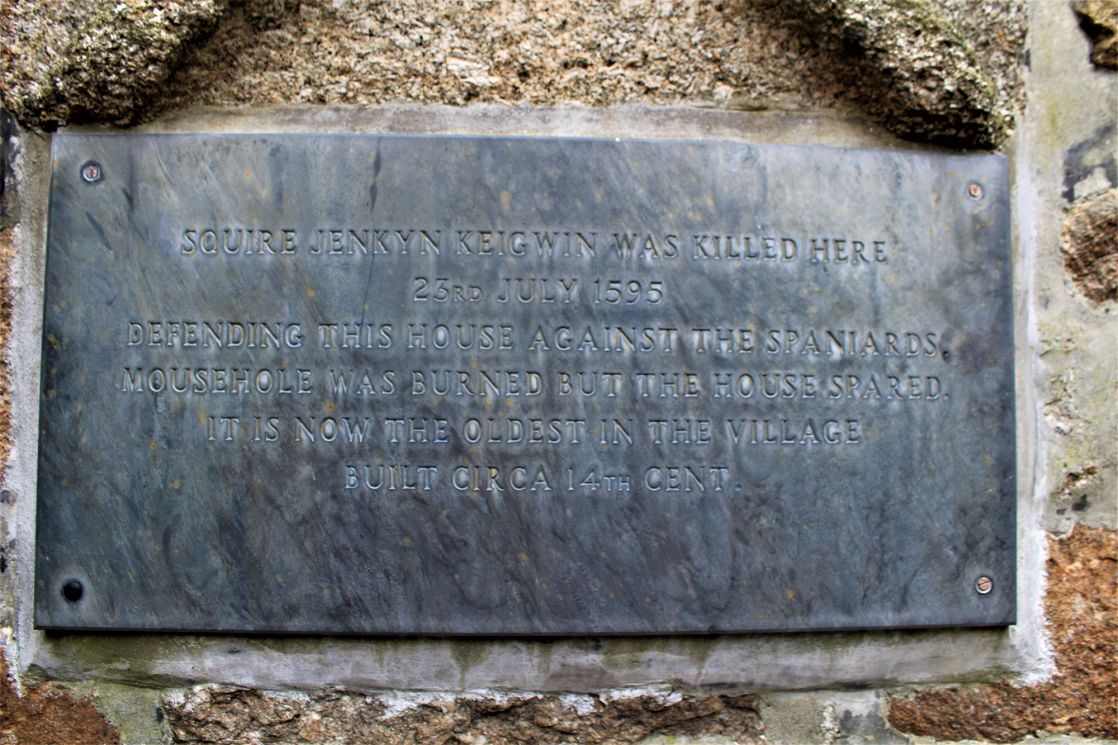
[
  {"x": 917, "y": 69},
  {"x": 939, "y": 72},
  {"x": 93, "y": 60}
]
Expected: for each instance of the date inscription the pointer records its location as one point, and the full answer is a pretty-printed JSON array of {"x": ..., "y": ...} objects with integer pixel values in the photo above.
[{"x": 486, "y": 386}]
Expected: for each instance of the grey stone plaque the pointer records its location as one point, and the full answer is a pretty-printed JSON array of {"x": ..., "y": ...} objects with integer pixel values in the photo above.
[{"x": 512, "y": 386}]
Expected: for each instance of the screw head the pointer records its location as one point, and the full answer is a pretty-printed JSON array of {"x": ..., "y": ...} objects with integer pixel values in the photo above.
[
  {"x": 983, "y": 585},
  {"x": 974, "y": 189},
  {"x": 92, "y": 172},
  {"x": 72, "y": 590}
]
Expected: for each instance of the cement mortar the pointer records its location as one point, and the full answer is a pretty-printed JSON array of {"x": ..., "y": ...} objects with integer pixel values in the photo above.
[{"x": 1066, "y": 152}]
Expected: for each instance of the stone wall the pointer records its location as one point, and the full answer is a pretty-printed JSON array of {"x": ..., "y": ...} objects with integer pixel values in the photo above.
[{"x": 1033, "y": 80}]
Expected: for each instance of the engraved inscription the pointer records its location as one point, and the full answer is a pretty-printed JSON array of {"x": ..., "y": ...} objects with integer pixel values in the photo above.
[
  {"x": 483, "y": 386},
  {"x": 826, "y": 384}
]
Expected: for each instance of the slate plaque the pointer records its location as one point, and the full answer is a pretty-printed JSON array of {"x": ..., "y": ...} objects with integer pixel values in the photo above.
[{"x": 512, "y": 386}]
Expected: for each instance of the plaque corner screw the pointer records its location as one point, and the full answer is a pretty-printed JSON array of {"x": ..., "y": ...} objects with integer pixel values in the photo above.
[
  {"x": 92, "y": 172},
  {"x": 72, "y": 590},
  {"x": 974, "y": 189},
  {"x": 983, "y": 585}
]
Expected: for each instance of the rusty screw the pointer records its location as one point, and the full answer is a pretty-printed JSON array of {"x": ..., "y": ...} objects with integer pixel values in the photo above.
[
  {"x": 974, "y": 190},
  {"x": 92, "y": 172},
  {"x": 983, "y": 585}
]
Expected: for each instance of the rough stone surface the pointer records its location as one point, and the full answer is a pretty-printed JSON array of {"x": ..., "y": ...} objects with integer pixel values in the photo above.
[
  {"x": 94, "y": 60},
  {"x": 7, "y": 218},
  {"x": 1082, "y": 609},
  {"x": 6, "y": 251},
  {"x": 745, "y": 52},
  {"x": 1090, "y": 246},
  {"x": 49, "y": 715},
  {"x": 8, "y": 201},
  {"x": 916, "y": 69},
  {"x": 1099, "y": 20},
  {"x": 233, "y": 716},
  {"x": 908, "y": 63}
]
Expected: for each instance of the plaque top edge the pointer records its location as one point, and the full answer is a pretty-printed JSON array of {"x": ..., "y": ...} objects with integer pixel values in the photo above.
[{"x": 65, "y": 137}]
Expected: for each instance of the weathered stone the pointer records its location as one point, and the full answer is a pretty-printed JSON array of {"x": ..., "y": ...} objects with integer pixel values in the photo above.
[
  {"x": 1079, "y": 488},
  {"x": 1099, "y": 20},
  {"x": 8, "y": 139},
  {"x": 8, "y": 217},
  {"x": 1090, "y": 246},
  {"x": 231, "y": 716},
  {"x": 917, "y": 73},
  {"x": 265, "y": 15},
  {"x": 921, "y": 77},
  {"x": 6, "y": 252},
  {"x": 916, "y": 63},
  {"x": 1091, "y": 165},
  {"x": 1082, "y": 610},
  {"x": 737, "y": 55},
  {"x": 859, "y": 720},
  {"x": 93, "y": 60},
  {"x": 48, "y": 715}
]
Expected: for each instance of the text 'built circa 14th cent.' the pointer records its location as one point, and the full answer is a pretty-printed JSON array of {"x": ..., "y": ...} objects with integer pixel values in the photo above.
[{"x": 469, "y": 385}]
